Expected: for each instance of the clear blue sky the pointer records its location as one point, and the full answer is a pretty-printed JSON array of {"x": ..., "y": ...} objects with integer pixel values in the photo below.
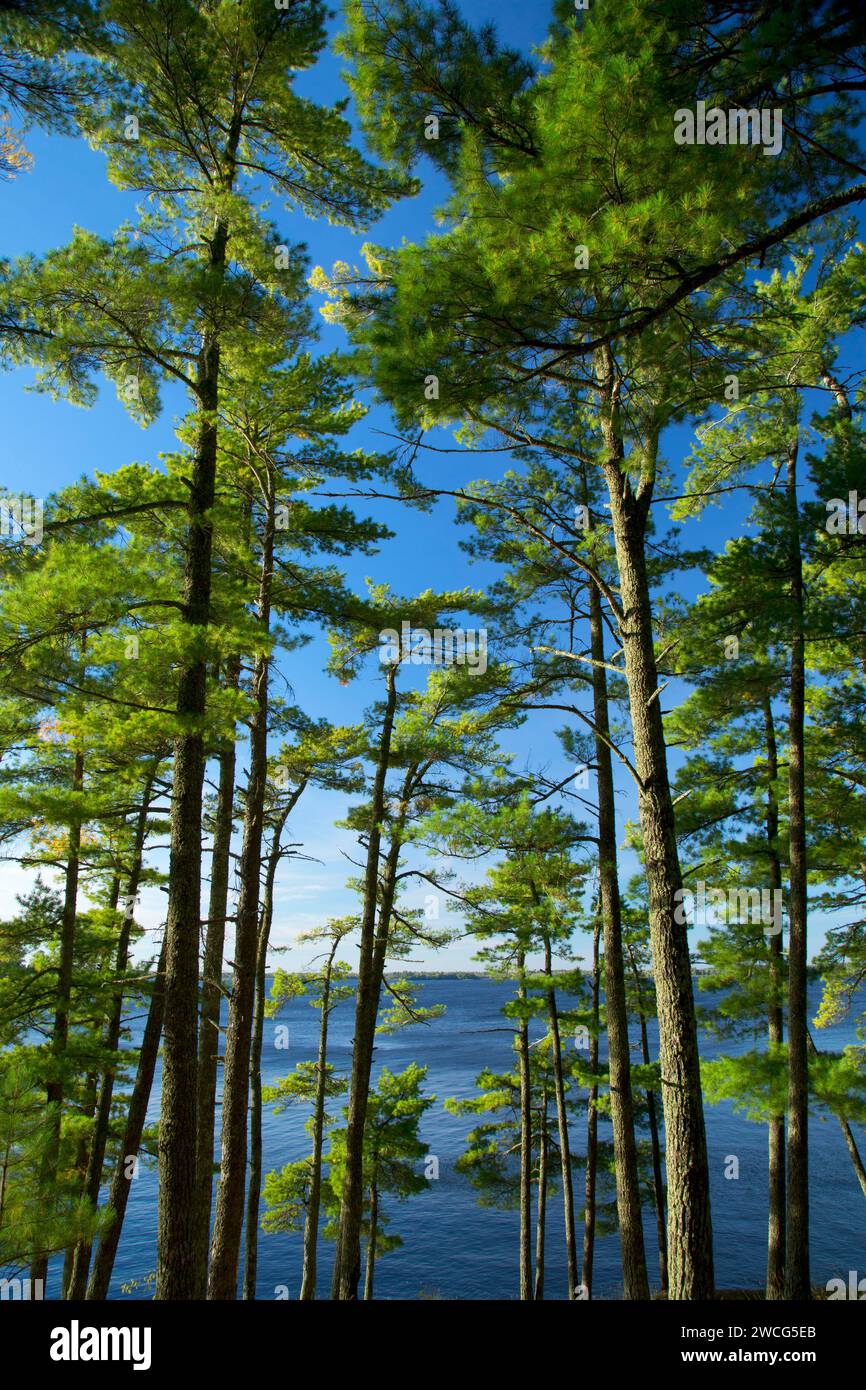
[{"x": 46, "y": 444}]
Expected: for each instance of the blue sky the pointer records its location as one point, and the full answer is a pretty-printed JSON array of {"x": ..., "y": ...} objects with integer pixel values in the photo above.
[{"x": 47, "y": 444}]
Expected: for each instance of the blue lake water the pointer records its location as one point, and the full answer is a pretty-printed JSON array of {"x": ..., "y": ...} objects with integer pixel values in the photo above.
[{"x": 454, "y": 1249}]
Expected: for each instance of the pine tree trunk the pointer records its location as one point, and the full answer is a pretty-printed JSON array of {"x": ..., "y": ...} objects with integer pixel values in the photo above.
[
  {"x": 690, "y": 1236},
  {"x": 254, "y": 1185},
  {"x": 591, "y": 1132},
  {"x": 658, "y": 1182},
  {"x": 541, "y": 1210},
  {"x": 212, "y": 996},
  {"x": 775, "y": 1030},
  {"x": 229, "y": 1217},
  {"x": 347, "y": 1261},
  {"x": 562, "y": 1126},
  {"x": 118, "y": 1196},
  {"x": 364, "y": 1052},
  {"x": 854, "y": 1151},
  {"x": 628, "y": 1205},
  {"x": 254, "y": 1189},
  {"x": 176, "y": 1251},
  {"x": 797, "y": 1285},
  {"x": 655, "y": 1143},
  {"x": 96, "y": 1160},
  {"x": 178, "y": 1264},
  {"x": 522, "y": 1046},
  {"x": 311, "y": 1224},
  {"x": 88, "y": 1110},
  {"x": 371, "y": 1246},
  {"x": 850, "y": 1141},
  {"x": 54, "y": 1090}
]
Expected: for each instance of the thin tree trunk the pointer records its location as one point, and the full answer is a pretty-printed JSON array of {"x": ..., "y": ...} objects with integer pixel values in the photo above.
[
  {"x": 347, "y": 1262},
  {"x": 633, "y": 1254},
  {"x": 797, "y": 1284},
  {"x": 591, "y": 1131},
  {"x": 850, "y": 1141},
  {"x": 212, "y": 996},
  {"x": 311, "y": 1224},
  {"x": 69, "y": 1253},
  {"x": 775, "y": 1029},
  {"x": 54, "y": 1090},
  {"x": 229, "y": 1217},
  {"x": 93, "y": 1180},
  {"x": 254, "y": 1189},
  {"x": 851, "y": 1144},
  {"x": 658, "y": 1181},
  {"x": 562, "y": 1126},
  {"x": 522, "y": 1047},
  {"x": 88, "y": 1110},
  {"x": 541, "y": 1211},
  {"x": 844, "y": 407},
  {"x": 655, "y": 1143},
  {"x": 371, "y": 1246},
  {"x": 364, "y": 1051},
  {"x": 177, "y": 1268},
  {"x": 4, "y": 1168},
  {"x": 254, "y": 1185},
  {"x": 118, "y": 1196},
  {"x": 690, "y": 1234},
  {"x": 176, "y": 1251}
]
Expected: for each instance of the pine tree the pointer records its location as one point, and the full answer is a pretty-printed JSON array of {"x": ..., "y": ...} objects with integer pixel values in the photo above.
[
  {"x": 551, "y": 287},
  {"x": 783, "y": 342},
  {"x": 190, "y": 98}
]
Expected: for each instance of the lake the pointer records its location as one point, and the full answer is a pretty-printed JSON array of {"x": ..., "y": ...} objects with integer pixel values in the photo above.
[{"x": 454, "y": 1249}]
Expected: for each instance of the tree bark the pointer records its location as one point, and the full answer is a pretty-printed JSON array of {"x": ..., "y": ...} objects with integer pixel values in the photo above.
[
  {"x": 311, "y": 1224},
  {"x": 177, "y": 1269},
  {"x": 655, "y": 1144},
  {"x": 212, "y": 996},
  {"x": 96, "y": 1160},
  {"x": 55, "y": 1089},
  {"x": 633, "y": 1254},
  {"x": 118, "y": 1196},
  {"x": 371, "y": 1246},
  {"x": 854, "y": 1152},
  {"x": 367, "y": 1039},
  {"x": 775, "y": 1030},
  {"x": 797, "y": 1283},
  {"x": 522, "y": 1048},
  {"x": 229, "y": 1217},
  {"x": 254, "y": 1188},
  {"x": 591, "y": 1131},
  {"x": 541, "y": 1209},
  {"x": 254, "y": 1184},
  {"x": 347, "y": 1262},
  {"x": 847, "y": 1133},
  {"x": 88, "y": 1110},
  {"x": 562, "y": 1126},
  {"x": 176, "y": 1275},
  {"x": 690, "y": 1236}
]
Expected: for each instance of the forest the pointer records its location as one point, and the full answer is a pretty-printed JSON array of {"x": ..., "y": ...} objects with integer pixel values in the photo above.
[{"x": 433, "y": 552}]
